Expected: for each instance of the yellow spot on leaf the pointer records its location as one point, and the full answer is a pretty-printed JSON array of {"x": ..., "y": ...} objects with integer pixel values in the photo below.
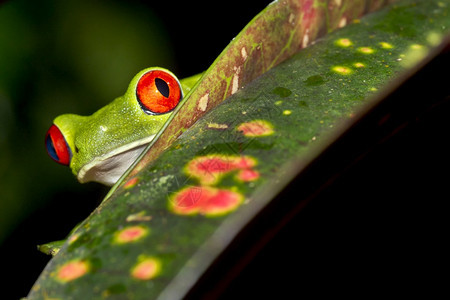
[
  {"x": 366, "y": 50},
  {"x": 413, "y": 55},
  {"x": 287, "y": 112},
  {"x": 217, "y": 126},
  {"x": 342, "y": 70},
  {"x": 344, "y": 42},
  {"x": 385, "y": 45},
  {"x": 434, "y": 38},
  {"x": 73, "y": 238},
  {"x": 359, "y": 65},
  {"x": 138, "y": 217}
]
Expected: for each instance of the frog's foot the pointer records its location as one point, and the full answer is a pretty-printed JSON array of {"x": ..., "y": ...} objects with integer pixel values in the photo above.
[{"x": 51, "y": 248}]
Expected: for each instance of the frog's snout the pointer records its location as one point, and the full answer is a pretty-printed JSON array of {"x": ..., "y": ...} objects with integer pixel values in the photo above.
[{"x": 57, "y": 147}]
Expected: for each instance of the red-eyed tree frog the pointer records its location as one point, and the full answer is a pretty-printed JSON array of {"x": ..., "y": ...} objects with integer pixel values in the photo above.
[{"x": 101, "y": 147}]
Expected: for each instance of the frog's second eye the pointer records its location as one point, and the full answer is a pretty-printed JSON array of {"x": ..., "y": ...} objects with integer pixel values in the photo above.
[
  {"x": 57, "y": 147},
  {"x": 158, "y": 92}
]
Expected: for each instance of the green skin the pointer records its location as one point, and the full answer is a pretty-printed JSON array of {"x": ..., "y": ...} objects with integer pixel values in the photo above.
[
  {"x": 127, "y": 126},
  {"x": 113, "y": 131}
]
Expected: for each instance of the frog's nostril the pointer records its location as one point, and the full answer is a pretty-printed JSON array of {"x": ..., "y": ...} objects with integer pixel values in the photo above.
[{"x": 57, "y": 147}]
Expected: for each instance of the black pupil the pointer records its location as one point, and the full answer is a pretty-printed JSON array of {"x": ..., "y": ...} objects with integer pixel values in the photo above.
[{"x": 162, "y": 87}]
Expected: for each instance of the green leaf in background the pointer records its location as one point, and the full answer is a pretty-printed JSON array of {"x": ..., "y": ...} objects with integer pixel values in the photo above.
[
  {"x": 161, "y": 229},
  {"x": 56, "y": 57}
]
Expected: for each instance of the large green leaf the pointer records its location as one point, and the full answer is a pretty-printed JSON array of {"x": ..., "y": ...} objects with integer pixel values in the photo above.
[
  {"x": 275, "y": 34},
  {"x": 161, "y": 229}
]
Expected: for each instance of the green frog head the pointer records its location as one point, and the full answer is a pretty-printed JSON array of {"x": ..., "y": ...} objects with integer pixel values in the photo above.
[{"x": 102, "y": 146}]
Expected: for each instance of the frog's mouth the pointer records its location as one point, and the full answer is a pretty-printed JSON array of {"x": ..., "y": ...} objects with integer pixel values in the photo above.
[{"x": 108, "y": 168}]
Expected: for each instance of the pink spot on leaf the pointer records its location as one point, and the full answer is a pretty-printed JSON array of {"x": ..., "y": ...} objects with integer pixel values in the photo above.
[
  {"x": 256, "y": 128},
  {"x": 248, "y": 175},
  {"x": 209, "y": 169},
  {"x": 72, "y": 270},
  {"x": 146, "y": 269},
  {"x": 205, "y": 200},
  {"x": 130, "y": 234},
  {"x": 131, "y": 183}
]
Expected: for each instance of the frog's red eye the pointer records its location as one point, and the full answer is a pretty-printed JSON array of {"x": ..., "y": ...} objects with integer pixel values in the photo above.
[
  {"x": 57, "y": 147},
  {"x": 158, "y": 92}
]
